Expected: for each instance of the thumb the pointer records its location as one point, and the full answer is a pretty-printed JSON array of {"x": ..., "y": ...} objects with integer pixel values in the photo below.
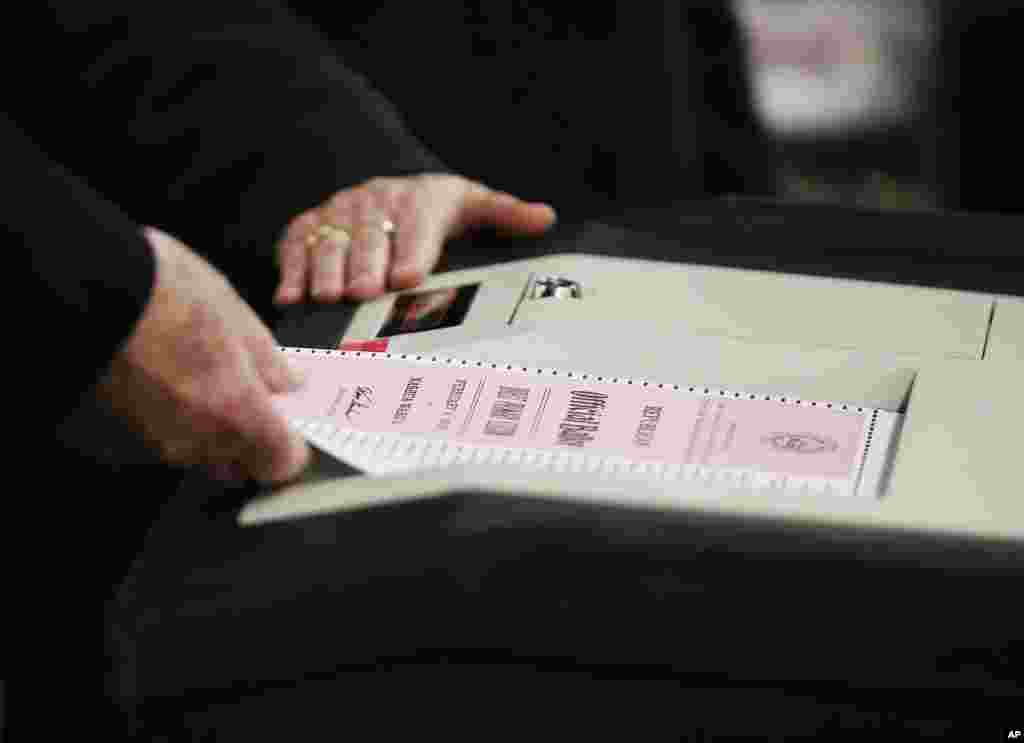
[
  {"x": 274, "y": 367},
  {"x": 482, "y": 207}
]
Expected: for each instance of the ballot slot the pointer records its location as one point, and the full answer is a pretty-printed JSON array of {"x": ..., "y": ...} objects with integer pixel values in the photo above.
[{"x": 956, "y": 464}]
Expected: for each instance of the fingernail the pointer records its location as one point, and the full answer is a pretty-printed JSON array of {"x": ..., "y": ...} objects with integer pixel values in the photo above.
[{"x": 405, "y": 275}]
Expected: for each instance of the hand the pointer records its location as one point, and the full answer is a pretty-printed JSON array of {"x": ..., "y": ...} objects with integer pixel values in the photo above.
[
  {"x": 362, "y": 259},
  {"x": 195, "y": 377}
]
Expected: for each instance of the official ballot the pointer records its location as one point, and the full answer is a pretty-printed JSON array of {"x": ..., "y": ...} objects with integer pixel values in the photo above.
[{"x": 387, "y": 413}]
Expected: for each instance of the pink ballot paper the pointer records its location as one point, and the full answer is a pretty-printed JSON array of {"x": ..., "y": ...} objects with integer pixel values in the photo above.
[{"x": 391, "y": 413}]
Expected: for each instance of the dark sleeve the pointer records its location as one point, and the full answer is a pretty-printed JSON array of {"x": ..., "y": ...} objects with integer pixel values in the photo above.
[
  {"x": 217, "y": 121},
  {"x": 86, "y": 276}
]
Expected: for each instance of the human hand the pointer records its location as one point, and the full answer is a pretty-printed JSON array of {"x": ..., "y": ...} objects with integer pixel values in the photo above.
[
  {"x": 388, "y": 233},
  {"x": 195, "y": 378}
]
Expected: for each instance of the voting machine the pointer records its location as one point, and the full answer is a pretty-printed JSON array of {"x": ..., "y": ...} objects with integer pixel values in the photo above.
[{"x": 948, "y": 363}]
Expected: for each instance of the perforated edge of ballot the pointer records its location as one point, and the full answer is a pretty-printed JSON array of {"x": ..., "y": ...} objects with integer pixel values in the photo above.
[{"x": 390, "y": 413}]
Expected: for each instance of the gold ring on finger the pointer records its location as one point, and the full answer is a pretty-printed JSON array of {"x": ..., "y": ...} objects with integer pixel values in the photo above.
[{"x": 329, "y": 233}]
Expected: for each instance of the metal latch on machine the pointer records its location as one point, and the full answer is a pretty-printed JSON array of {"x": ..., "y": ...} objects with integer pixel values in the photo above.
[{"x": 555, "y": 287}]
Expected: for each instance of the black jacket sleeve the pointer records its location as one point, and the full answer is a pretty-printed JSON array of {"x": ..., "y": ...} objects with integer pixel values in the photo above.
[
  {"x": 87, "y": 277},
  {"x": 216, "y": 121}
]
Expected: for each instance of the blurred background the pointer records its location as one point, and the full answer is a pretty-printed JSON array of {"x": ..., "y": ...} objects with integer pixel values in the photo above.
[
  {"x": 892, "y": 104},
  {"x": 841, "y": 88}
]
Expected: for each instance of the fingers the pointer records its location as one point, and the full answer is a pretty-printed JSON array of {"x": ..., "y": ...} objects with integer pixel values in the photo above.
[
  {"x": 482, "y": 207},
  {"x": 266, "y": 449},
  {"x": 195, "y": 377},
  {"x": 238, "y": 434},
  {"x": 327, "y": 266},
  {"x": 293, "y": 259},
  {"x": 360, "y": 259},
  {"x": 450, "y": 207},
  {"x": 418, "y": 245},
  {"x": 313, "y": 254},
  {"x": 369, "y": 261},
  {"x": 273, "y": 452},
  {"x": 366, "y": 215},
  {"x": 294, "y": 267},
  {"x": 273, "y": 367}
]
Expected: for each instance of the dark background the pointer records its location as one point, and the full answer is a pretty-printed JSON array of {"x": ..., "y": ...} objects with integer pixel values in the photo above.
[
  {"x": 639, "y": 104},
  {"x": 623, "y": 104},
  {"x": 603, "y": 110}
]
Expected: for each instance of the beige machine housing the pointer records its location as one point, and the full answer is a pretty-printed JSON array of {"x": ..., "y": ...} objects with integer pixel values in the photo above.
[{"x": 952, "y": 361}]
